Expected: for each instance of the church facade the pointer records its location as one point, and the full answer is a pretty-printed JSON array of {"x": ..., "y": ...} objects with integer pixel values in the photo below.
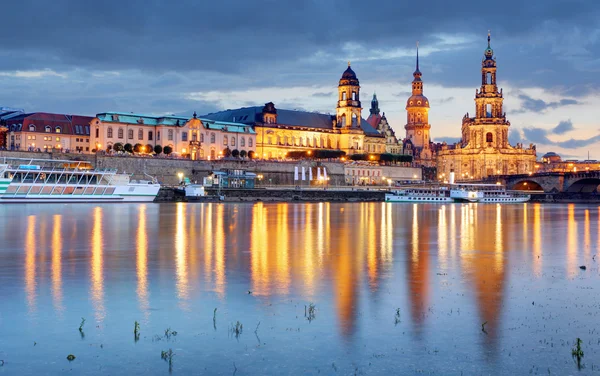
[{"x": 484, "y": 149}]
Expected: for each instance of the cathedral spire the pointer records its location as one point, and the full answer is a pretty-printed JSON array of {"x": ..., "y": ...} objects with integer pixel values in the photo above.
[
  {"x": 489, "y": 37},
  {"x": 374, "y": 105},
  {"x": 417, "y": 56}
]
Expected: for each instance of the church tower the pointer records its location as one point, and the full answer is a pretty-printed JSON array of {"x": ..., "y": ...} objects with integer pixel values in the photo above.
[
  {"x": 489, "y": 127},
  {"x": 374, "y": 106},
  {"x": 348, "y": 107},
  {"x": 417, "y": 112}
]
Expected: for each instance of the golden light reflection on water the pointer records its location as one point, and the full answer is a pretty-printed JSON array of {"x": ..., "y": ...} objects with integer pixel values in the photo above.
[
  {"x": 142, "y": 262},
  {"x": 181, "y": 267},
  {"x": 97, "y": 265},
  {"x": 259, "y": 251},
  {"x": 442, "y": 238},
  {"x": 57, "y": 295},
  {"x": 219, "y": 253},
  {"x": 282, "y": 249},
  {"x": 586, "y": 234},
  {"x": 572, "y": 241},
  {"x": 30, "y": 264},
  {"x": 537, "y": 240}
]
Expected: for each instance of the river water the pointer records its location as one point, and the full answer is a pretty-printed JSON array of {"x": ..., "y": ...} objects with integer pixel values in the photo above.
[{"x": 395, "y": 288}]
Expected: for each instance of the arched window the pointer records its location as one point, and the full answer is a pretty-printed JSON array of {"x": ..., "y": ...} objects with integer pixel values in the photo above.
[
  {"x": 242, "y": 142},
  {"x": 354, "y": 120},
  {"x": 344, "y": 96},
  {"x": 130, "y": 134},
  {"x": 489, "y": 137},
  {"x": 354, "y": 95},
  {"x": 97, "y": 132},
  {"x": 232, "y": 141},
  {"x": 488, "y": 78},
  {"x": 343, "y": 120},
  {"x": 201, "y": 153},
  {"x": 150, "y": 135},
  {"x": 170, "y": 135},
  {"x": 57, "y": 130},
  {"x": 109, "y": 132},
  {"x": 225, "y": 140},
  {"x": 213, "y": 153},
  {"x": 120, "y": 132},
  {"x": 48, "y": 129},
  {"x": 140, "y": 134},
  {"x": 31, "y": 128},
  {"x": 212, "y": 139},
  {"x": 250, "y": 142}
]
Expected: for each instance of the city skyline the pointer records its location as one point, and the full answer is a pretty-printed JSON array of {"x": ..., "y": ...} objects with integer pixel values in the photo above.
[{"x": 547, "y": 64}]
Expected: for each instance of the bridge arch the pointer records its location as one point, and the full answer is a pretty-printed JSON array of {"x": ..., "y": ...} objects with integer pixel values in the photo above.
[
  {"x": 584, "y": 185},
  {"x": 527, "y": 185}
]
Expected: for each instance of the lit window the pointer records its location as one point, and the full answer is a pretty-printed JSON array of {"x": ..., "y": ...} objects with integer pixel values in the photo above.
[
  {"x": 48, "y": 129},
  {"x": 225, "y": 140},
  {"x": 57, "y": 130}
]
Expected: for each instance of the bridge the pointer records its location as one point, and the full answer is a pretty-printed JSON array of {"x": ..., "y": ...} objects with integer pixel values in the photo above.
[{"x": 552, "y": 182}]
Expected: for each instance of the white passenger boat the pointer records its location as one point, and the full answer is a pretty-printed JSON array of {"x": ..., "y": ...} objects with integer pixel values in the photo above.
[
  {"x": 457, "y": 192},
  {"x": 434, "y": 194},
  {"x": 47, "y": 180}
]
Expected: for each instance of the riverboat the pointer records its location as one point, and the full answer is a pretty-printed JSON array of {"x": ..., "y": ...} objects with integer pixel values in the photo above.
[
  {"x": 49, "y": 181},
  {"x": 457, "y": 192},
  {"x": 434, "y": 194}
]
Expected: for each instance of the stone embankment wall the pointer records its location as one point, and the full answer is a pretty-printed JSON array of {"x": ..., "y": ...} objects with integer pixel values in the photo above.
[
  {"x": 299, "y": 195},
  {"x": 166, "y": 170}
]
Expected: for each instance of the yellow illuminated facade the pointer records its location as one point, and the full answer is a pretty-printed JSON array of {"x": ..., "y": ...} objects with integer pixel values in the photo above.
[{"x": 484, "y": 149}]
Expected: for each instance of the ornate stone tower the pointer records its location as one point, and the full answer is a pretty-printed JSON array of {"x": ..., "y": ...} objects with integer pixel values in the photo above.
[
  {"x": 489, "y": 127},
  {"x": 348, "y": 106},
  {"x": 417, "y": 112}
]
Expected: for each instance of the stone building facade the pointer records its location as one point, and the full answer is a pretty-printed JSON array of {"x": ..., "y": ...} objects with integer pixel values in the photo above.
[
  {"x": 484, "y": 149},
  {"x": 379, "y": 122},
  {"x": 417, "y": 127},
  {"x": 196, "y": 137},
  {"x": 280, "y": 131}
]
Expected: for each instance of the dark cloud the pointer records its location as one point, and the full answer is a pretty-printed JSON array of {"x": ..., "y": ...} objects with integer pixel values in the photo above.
[
  {"x": 529, "y": 104},
  {"x": 563, "y": 127},
  {"x": 515, "y": 137},
  {"x": 540, "y": 136},
  {"x": 323, "y": 95}
]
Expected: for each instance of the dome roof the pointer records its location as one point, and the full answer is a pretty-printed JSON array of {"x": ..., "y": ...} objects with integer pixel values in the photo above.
[
  {"x": 417, "y": 101},
  {"x": 550, "y": 154},
  {"x": 349, "y": 77}
]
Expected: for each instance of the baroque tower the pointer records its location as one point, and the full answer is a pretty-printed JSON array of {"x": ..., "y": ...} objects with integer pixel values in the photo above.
[
  {"x": 489, "y": 128},
  {"x": 348, "y": 106},
  {"x": 417, "y": 112},
  {"x": 374, "y": 106}
]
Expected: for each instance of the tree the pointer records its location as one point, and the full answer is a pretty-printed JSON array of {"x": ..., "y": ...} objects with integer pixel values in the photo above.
[
  {"x": 243, "y": 153},
  {"x": 149, "y": 149},
  {"x": 158, "y": 149},
  {"x": 359, "y": 157},
  {"x": 226, "y": 152},
  {"x": 251, "y": 154},
  {"x": 137, "y": 148},
  {"x": 167, "y": 150},
  {"x": 235, "y": 153},
  {"x": 118, "y": 147},
  {"x": 128, "y": 148}
]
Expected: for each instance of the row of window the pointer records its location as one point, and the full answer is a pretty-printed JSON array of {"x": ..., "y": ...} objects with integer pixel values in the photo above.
[
  {"x": 170, "y": 136},
  {"x": 364, "y": 172},
  {"x": 301, "y": 141}
]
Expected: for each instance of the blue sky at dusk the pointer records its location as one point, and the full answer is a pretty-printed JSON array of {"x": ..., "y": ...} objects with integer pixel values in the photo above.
[{"x": 176, "y": 57}]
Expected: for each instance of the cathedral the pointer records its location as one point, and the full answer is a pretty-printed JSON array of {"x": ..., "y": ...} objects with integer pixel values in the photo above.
[{"x": 484, "y": 149}]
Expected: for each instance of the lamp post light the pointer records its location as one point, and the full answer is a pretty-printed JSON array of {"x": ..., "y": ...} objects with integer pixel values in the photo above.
[{"x": 180, "y": 176}]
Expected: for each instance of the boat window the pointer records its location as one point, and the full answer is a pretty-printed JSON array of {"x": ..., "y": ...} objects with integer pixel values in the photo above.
[
  {"x": 68, "y": 191},
  {"x": 99, "y": 191},
  {"x": 11, "y": 189},
  {"x": 46, "y": 190},
  {"x": 89, "y": 190},
  {"x": 57, "y": 190},
  {"x": 109, "y": 191},
  {"x": 78, "y": 191}
]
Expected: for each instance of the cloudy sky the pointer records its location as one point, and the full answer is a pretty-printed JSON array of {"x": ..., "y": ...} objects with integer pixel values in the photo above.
[{"x": 153, "y": 56}]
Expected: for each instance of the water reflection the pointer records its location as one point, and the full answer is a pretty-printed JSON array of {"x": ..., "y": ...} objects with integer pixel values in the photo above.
[
  {"x": 30, "y": 263},
  {"x": 97, "y": 265},
  {"x": 57, "y": 246},
  {"x": 354, "y": 261},
  {"x": 142, "y": 261},
  {"x": 181, "y": 267}
]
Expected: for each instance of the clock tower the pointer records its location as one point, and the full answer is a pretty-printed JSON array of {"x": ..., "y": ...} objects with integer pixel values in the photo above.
[{"x": 417, "y": 112}]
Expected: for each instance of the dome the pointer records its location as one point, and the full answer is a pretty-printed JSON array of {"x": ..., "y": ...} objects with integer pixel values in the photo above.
[
  {"x": 417, "y": 101},
  {"x": 349, "y": 77}
]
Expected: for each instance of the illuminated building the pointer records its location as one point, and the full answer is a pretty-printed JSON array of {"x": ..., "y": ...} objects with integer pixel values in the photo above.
[
  {"x": 280, "y": 131},
  {"x": 388, "y": 142},
  {"x": 47, "y": 132},
  {"x": 417, "y": 122},
  {"x": 199, "y": 138},
  {"x": 484, "y": 149}
]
